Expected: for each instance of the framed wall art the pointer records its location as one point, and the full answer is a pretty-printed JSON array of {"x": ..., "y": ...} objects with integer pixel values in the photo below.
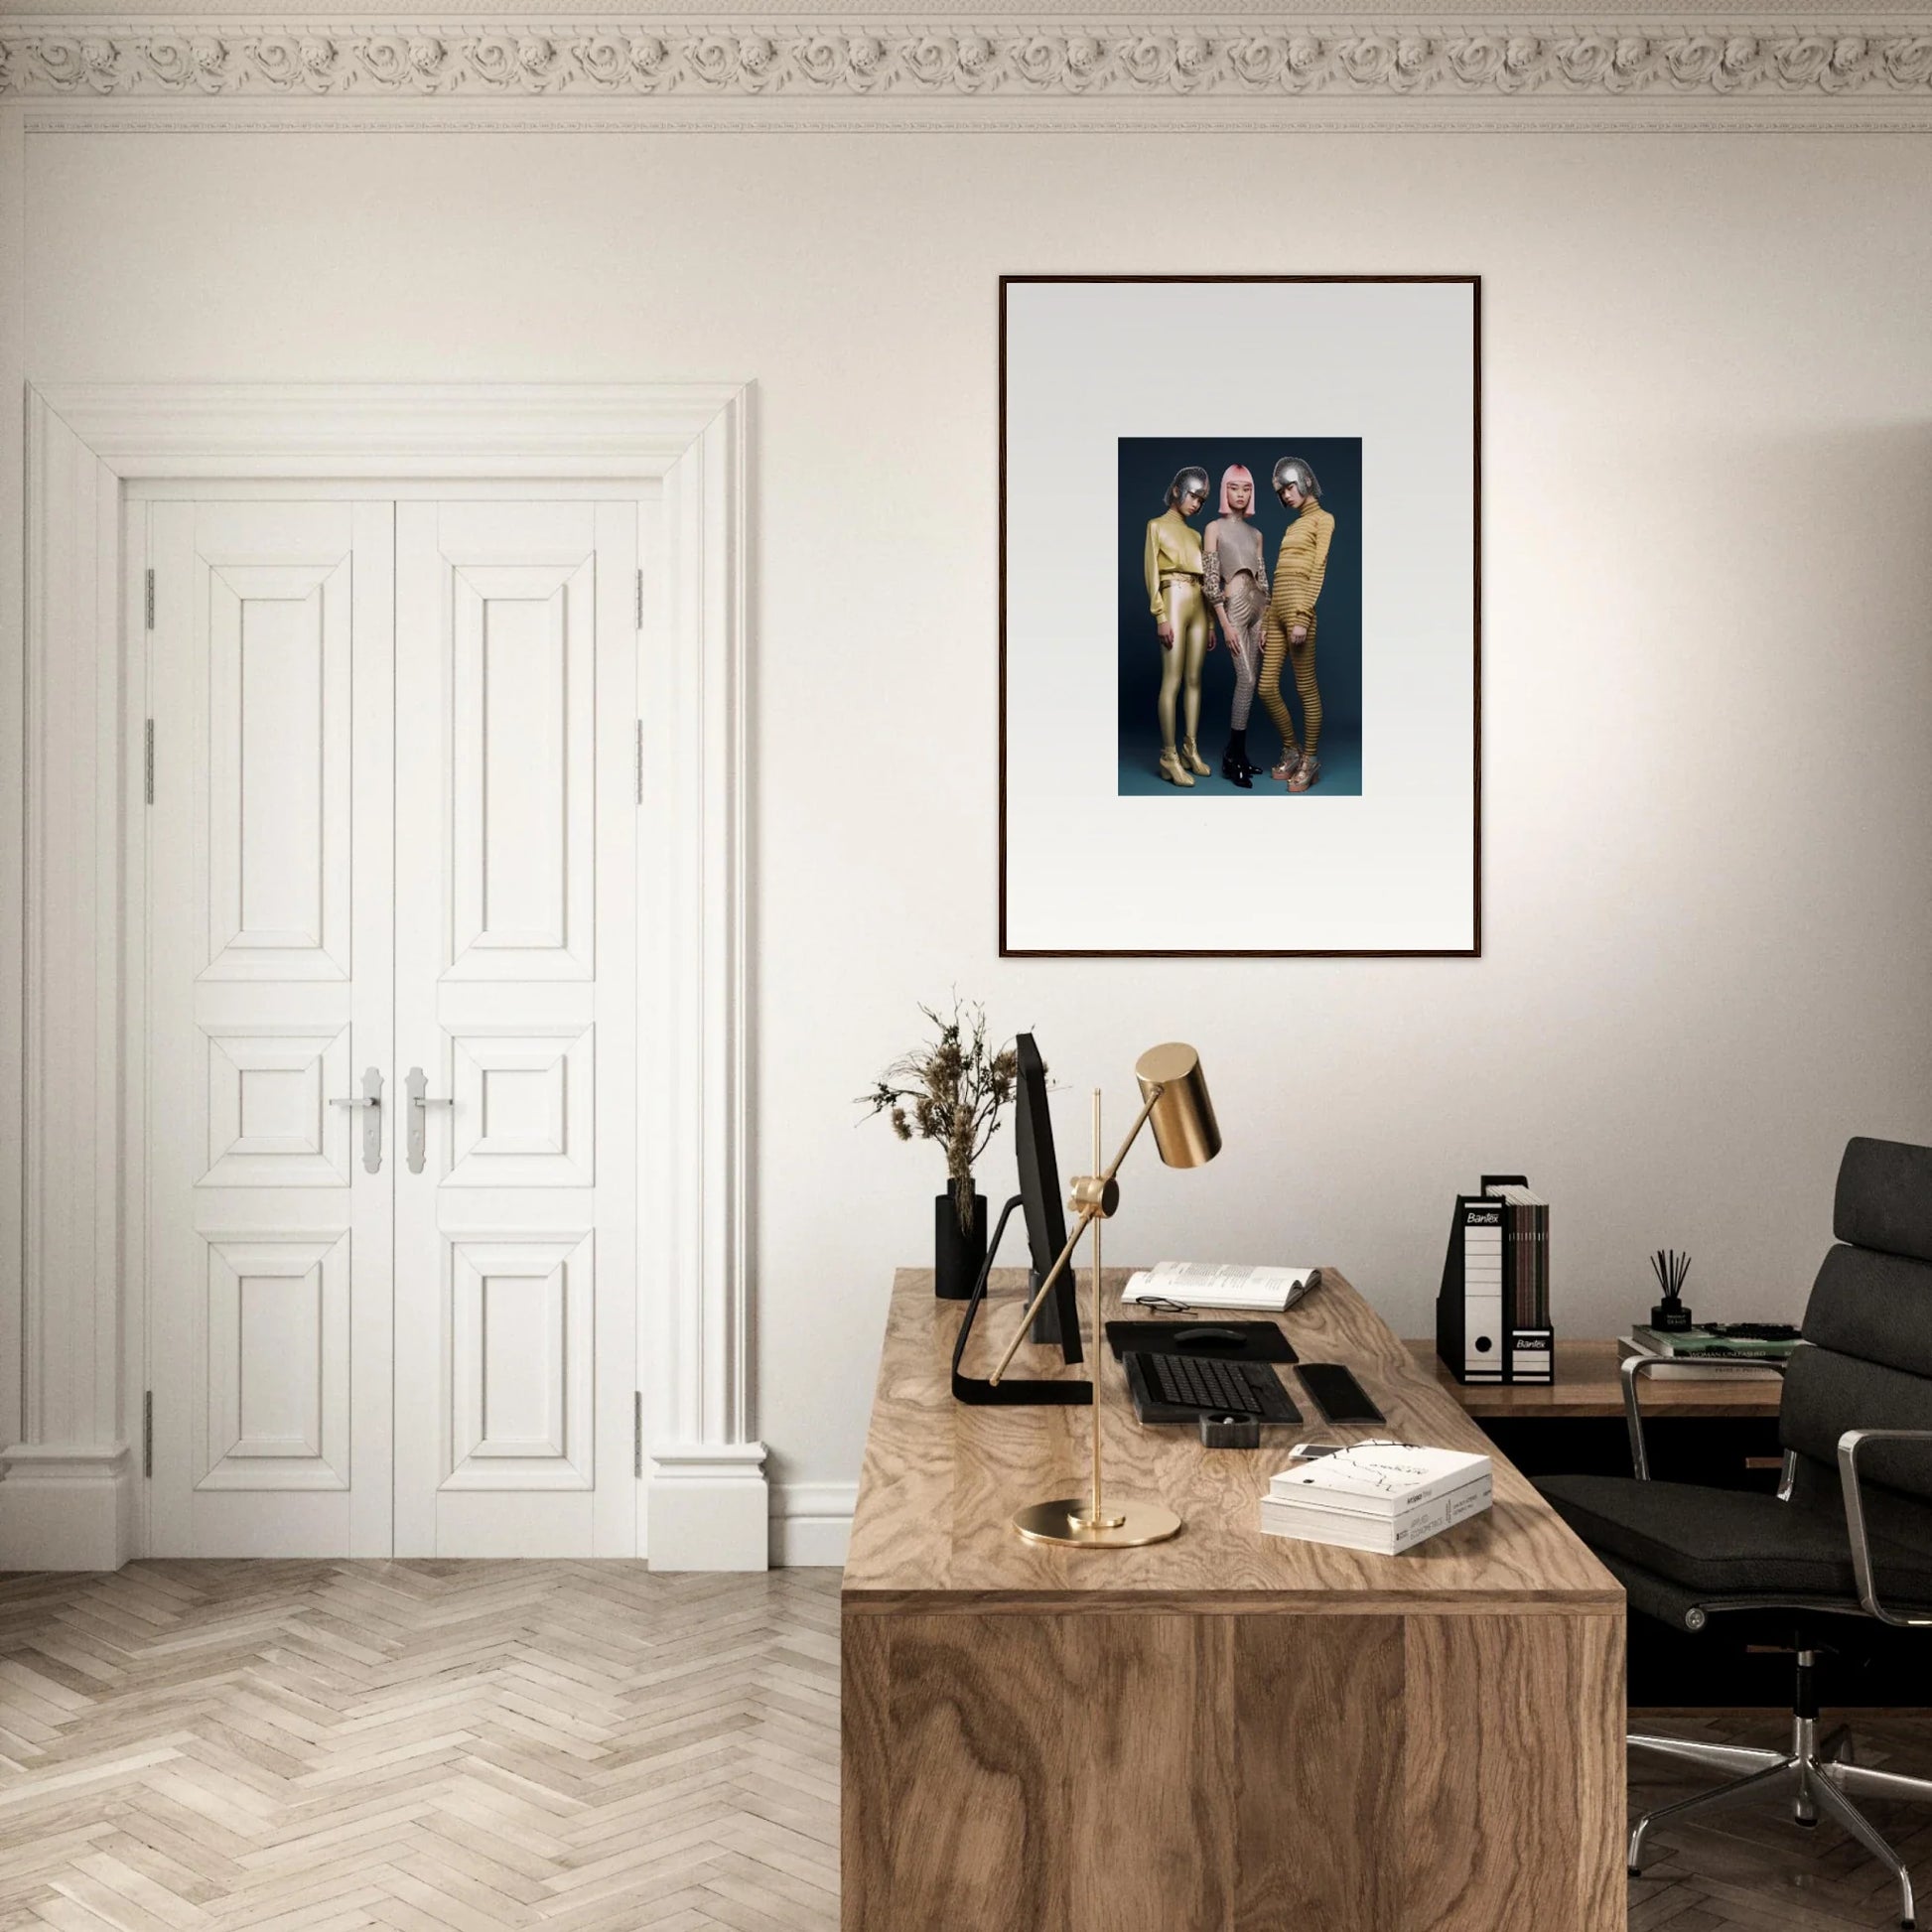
[{"x": 1240, "y": 542}]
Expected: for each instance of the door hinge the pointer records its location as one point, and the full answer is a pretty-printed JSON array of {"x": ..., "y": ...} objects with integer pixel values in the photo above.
[
  {"x": 150, "y": 600},
  {"x": 637, "y": 1434},
  {"x": 640, "y": 761},
  {"x": 147, "y": 762},
  {"x": 640, "y": 599},
  {"x": 147, "y": 1432}
]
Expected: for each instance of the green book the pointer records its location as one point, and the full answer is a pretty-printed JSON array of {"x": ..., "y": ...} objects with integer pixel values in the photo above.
[{"x": 1701, "y": 1341}]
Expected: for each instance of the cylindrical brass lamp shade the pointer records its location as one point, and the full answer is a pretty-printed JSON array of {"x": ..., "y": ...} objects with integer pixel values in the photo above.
[{"x": 1182, "y": 1117}]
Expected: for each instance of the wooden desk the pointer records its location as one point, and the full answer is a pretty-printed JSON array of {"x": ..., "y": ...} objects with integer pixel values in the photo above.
[
  {"x": 1587, "y": 1386},
  {"x": 1228, "y": 1729}
]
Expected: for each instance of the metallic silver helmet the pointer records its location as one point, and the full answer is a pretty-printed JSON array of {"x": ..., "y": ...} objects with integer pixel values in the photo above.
[
  {"x": 1296, "y": 469},
  {"x": 1193, "y": 479}
]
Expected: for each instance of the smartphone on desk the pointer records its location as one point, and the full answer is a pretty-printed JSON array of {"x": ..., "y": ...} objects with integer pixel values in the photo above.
[{"x": 1336, "y": 1392}]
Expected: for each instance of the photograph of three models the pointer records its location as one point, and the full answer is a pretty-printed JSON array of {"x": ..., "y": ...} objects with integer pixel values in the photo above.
[{"x": 1251, "y": 588}]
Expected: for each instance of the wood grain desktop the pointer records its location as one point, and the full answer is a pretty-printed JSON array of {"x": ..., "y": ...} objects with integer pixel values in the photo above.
[{"x": 1227, "y": 1731}]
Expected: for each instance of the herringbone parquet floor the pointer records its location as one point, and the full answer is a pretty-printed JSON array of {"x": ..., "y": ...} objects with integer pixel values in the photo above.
[
  {"x": 431, "y": 1746},
  {"x": 468, "y": 1747}
]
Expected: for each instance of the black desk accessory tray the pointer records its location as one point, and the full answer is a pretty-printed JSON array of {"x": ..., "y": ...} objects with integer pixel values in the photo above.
[{"x": 1252, "y": 1341}]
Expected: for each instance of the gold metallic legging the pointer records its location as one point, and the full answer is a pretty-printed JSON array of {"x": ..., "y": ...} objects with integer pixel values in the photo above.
[
  {"x": 1187, "y": 617},
  {"x": 1275, "y": 648}
]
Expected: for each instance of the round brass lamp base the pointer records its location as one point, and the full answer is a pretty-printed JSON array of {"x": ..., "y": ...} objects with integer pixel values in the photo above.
[{"x": 1129, "y": 1525}]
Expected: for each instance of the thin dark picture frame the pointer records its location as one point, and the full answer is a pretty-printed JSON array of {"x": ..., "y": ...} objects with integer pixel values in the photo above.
[{"x": 1475, "y": 949}]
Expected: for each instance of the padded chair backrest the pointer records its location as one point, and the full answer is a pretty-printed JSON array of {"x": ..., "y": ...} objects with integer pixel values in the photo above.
[{"x": 1869, "y": 1326}]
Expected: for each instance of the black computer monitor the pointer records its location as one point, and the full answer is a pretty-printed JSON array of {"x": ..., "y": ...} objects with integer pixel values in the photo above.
[
  {"x": 1038, "y": 1198},
  {"x": 1039, "y": 1194}
]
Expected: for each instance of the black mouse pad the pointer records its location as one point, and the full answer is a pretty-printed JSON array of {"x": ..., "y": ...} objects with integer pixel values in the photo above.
[{"x": 1230, "y": 1342}]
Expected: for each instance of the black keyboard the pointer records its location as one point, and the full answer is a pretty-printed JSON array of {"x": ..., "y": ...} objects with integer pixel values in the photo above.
[{"x": 1214, "y": 1388}]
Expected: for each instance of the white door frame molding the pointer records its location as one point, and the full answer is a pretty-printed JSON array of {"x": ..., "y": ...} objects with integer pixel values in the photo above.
[{"x": 72, "y": 1338}]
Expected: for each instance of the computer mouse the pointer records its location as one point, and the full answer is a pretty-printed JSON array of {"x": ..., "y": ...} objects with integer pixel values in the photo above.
[{"x": 1207, "y": 1337}]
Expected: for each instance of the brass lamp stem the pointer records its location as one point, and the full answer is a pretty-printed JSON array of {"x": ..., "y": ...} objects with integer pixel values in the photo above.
[
  {"x": 1095, "y": 1517},
  {"x": 1094, "y": 1196},
  {"x": 1099, "y": 1354}
]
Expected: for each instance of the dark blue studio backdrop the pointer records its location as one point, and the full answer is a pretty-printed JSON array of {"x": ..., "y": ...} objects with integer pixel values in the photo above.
[{"x": 1148, "y": 464}]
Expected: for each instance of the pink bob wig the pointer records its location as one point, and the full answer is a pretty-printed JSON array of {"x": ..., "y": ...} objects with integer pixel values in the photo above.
[{"x": 1237, "y": 473}]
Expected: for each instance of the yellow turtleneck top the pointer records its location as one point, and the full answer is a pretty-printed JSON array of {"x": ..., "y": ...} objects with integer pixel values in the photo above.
[
  {"x": 1299, "y": 567},
  {"x": 1173, "y": 550}
]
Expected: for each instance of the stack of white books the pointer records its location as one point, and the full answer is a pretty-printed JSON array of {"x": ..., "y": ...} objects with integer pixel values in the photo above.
[{"x": 1381, "y": 1496}]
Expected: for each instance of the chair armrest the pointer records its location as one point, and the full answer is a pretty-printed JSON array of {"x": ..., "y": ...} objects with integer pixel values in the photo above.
[
  {"x": 1848, "y": 1446},
  {"x": 1634, "y": 1367}
]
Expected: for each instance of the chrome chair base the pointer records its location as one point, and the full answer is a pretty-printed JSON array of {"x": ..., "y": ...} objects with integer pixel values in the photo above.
[{"x": 1819, "y": 1776}]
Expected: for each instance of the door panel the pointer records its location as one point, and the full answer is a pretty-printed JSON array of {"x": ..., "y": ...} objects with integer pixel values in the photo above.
[
  {"x": 269, "y": 936},
  {"x": 515, "y": 1244},
  {"x": 522, "y": 706},
  {"x": 280, "y": 756}
]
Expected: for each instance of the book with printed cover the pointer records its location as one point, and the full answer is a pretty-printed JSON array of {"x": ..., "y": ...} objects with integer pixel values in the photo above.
[
  {"x": 1377, "y": 1497},
  {"x": 1377, "y": 1478}
]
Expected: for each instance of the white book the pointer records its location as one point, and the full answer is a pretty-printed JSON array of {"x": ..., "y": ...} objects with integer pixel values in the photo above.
[
  {"x": 1378, "y": 1478},
  {"x": 1461, "y": 1502},
  {"x": 1216, "y": 1285},
  {"x": 1387, "y": 1535}
]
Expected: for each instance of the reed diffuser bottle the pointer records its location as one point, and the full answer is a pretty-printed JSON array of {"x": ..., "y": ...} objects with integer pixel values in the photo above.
[{"x": 1669, "y": 1315}]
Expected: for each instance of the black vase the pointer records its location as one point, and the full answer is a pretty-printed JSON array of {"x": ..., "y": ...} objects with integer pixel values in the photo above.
[{"x": 956, "y": 1257}]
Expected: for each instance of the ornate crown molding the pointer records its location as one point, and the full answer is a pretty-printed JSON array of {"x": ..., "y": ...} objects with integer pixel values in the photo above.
[{"x": 1191, "y": 62}]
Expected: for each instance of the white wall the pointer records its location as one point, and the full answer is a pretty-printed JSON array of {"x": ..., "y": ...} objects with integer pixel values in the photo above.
[{"x": 1708, "y": 445}]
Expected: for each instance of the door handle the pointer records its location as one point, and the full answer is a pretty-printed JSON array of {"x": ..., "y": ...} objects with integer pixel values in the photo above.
[
  {"x": 369, "y": 1098},
  {"x": 420, "y": 1102}
]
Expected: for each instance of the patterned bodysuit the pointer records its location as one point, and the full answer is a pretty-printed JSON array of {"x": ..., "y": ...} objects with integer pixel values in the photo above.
[{"x": 1237, "y": 585}]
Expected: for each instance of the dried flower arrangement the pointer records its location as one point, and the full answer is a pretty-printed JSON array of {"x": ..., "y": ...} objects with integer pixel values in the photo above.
[{"x": 950, "y": 1090}]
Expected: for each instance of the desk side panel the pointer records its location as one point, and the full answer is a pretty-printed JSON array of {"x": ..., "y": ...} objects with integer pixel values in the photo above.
[
  {"x": 865, "y": 1773},
  {"x": 1514, "y": 1773},
  {"x": 955, "y": 1782},
  {"x": 1233, "y": 1775},
  {"x": 1317, "y": 1719}
]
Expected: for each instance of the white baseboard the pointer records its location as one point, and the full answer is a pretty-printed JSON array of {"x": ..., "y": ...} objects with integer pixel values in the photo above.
[
  {"x": 811, "y": 1524},
  {"x": 66, "y": 1506},
  {"x": 709, "y": 1507}
]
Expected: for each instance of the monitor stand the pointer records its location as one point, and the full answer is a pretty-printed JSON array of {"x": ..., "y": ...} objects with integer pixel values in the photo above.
[{"x": 1010, "y": 1390}]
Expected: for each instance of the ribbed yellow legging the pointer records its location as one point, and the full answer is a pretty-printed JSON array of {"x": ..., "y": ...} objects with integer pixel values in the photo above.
[{"x": 1275, "y": 648}]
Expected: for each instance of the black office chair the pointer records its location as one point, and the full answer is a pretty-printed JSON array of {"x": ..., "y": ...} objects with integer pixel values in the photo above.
[{"x": 1848, "y": 1536}]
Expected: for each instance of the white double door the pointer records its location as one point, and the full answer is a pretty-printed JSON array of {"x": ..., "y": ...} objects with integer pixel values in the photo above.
[{"x": 391, "y": 859}]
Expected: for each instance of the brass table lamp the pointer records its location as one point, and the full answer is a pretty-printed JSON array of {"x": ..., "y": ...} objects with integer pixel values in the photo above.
[{"x": 1175, "y": 1102}]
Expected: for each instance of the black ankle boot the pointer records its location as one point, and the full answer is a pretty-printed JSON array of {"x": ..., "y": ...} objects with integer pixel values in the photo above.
[
  {"x": 1234, "y": 769},
  {"x": 1238, "y": 753}
]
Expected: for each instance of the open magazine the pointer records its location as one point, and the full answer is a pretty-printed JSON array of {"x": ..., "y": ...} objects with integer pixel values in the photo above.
[{"x": 1217, "y": 1284}]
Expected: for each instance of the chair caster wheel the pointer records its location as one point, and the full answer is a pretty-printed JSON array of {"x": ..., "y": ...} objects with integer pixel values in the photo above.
[
  {"x": 1810, "y": 1824},
  {"x": 1634, "y": 1871}
]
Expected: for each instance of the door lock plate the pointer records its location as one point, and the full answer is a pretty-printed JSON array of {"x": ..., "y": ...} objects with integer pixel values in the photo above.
[
  {"x": 370, "y": 1101},
  {"x": 420, "y": 1102}
]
